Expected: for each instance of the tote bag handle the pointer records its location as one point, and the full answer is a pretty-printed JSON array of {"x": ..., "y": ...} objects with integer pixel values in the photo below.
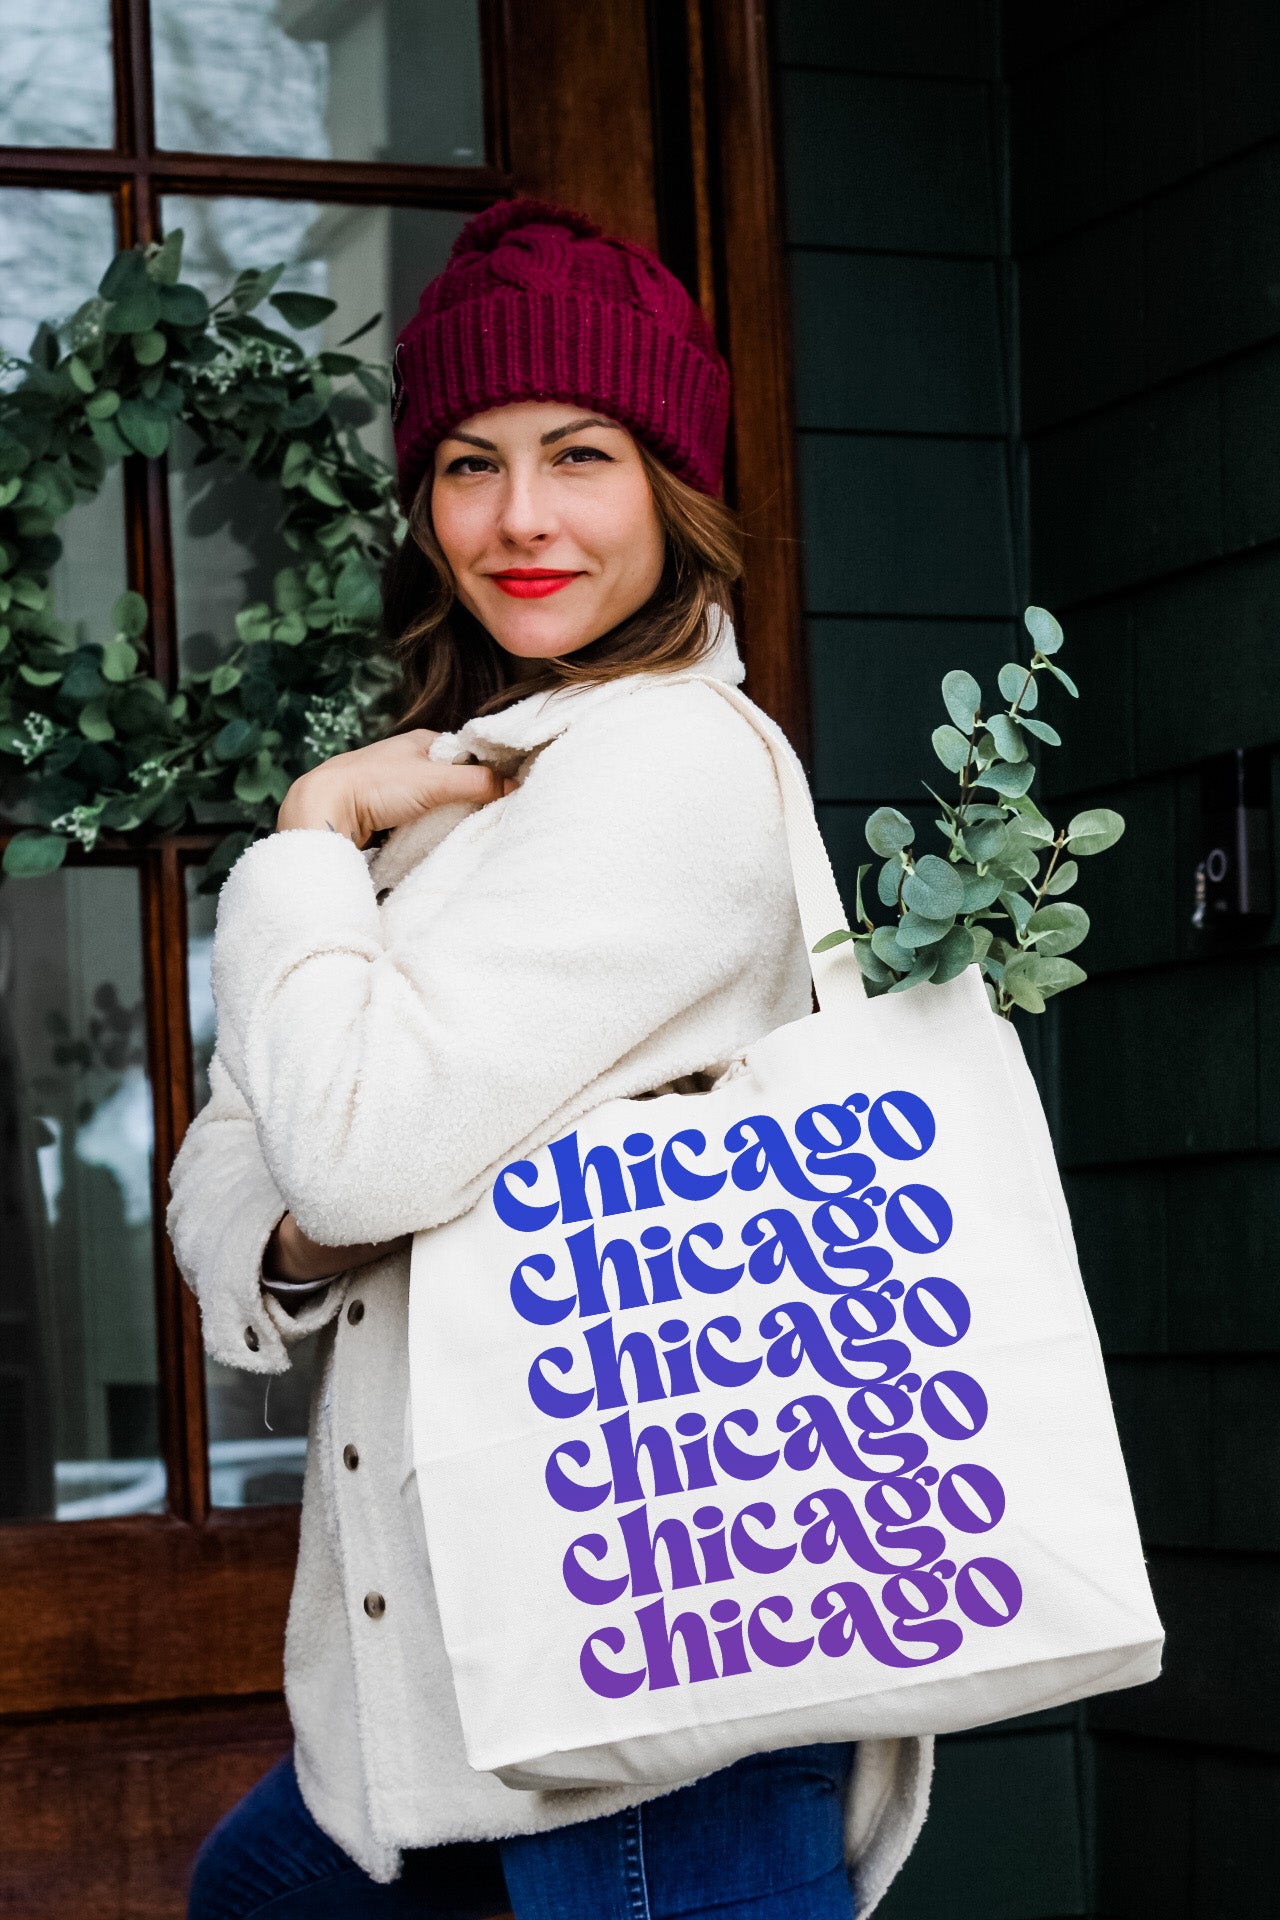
[{"x": 837, "y": 978}]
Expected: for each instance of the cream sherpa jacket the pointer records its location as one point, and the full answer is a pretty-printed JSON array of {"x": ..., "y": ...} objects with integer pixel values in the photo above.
[{"x": 392, "y": 1025}]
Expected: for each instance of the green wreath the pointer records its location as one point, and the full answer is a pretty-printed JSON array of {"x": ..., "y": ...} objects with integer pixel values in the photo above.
[{"x": 94, "y": 739}]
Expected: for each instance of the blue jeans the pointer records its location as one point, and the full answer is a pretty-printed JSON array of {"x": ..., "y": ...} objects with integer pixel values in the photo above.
[{"x": 760, "y": 1840}]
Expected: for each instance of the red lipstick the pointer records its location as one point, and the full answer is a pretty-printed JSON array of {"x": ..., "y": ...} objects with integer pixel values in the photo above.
[{"x": 532, "y": 583}]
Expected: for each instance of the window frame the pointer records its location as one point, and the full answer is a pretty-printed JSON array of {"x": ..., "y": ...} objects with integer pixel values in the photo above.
[
  {"x": 189, "y": 1604},
  {"x": 47, "y": 1566}
]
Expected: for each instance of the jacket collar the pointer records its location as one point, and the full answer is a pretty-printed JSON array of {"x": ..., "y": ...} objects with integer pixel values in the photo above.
[{"x": 503, "y": 740}]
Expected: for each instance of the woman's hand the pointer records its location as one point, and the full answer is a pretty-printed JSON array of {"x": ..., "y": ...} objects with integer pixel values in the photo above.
[
  {"x": 386, "y": 784},
  {"x": 290, "y": 1255}
]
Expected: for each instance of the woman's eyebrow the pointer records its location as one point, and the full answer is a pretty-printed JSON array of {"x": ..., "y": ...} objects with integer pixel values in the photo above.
[
  {"x": 576, "y": 426},
  {"x": 472, "y": 440}
]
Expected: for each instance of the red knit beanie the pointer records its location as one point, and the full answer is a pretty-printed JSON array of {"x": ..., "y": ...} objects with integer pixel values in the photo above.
[{"x": 537, "y": 303}]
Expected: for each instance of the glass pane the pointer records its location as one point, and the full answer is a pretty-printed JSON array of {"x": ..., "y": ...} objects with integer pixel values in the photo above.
[
  {"x": 226, "y": 544},
  {"x": 257, "y": 1432},
  {"x": 79, "y": 1393},
  {"x": 55, "y": 246},
  {"x": 55, "y": 73},
  {"x": 324, "y": 79}
]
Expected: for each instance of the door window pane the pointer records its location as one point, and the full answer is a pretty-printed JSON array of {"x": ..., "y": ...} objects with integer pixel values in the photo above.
[
  {"x": 55, "y": 247},
  {"x": 79, "y": 1395},
  {"x": 55, "y": 73},
  {"x": 225, "y": 524},
  {"x": 257, "y": 1431},
  {"x": 395, "y": 80}
]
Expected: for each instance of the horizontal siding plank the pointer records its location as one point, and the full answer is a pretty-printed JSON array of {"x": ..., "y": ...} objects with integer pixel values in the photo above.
[
  {"x": 899, "y": 164},
  {"x": 897, "y": 343},
  {"x": 912, "y": 526}
]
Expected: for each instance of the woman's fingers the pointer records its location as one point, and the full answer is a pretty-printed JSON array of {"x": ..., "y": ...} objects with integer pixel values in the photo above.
[{"x": 467, "y": 783}]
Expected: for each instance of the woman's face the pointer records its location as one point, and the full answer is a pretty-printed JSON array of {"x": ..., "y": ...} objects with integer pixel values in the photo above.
[{"x": 545, "y": 515}]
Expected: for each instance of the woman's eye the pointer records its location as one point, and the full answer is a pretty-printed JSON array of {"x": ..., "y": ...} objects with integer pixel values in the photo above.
[
  {"x": 470, "y": 463},
  {"x": 580, "y": 456}
]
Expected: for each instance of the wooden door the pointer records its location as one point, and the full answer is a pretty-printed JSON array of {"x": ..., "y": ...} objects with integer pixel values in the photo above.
[{"x": 141, "y": 1629}]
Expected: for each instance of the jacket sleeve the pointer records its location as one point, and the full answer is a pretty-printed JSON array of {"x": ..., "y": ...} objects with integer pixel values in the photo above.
[
  {"x": 223, "y": 1205},
  {"x": 638, "y": 869}
]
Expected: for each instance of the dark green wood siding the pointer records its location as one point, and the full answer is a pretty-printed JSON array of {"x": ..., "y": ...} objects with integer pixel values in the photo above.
[
  {"x": 894, "y": 145},
  {"x": 1146, "y": 231},
  {"x": 1034, "y": 258}
]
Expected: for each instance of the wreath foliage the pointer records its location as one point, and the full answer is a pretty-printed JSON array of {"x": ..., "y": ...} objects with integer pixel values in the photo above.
[{"x": 94, "y": 739}]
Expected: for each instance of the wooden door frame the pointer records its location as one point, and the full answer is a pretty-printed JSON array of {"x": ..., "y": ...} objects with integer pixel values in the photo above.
[{"x": 180, "y": 1612}]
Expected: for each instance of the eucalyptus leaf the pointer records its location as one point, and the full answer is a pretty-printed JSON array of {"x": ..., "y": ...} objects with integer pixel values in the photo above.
[
  {"x": 321, "y": 488},
  {"x": 1063, "y": 878},
  {"x": 915, "y": 931},
  {"x": 366, "y": 326},
  {"x": 183, "y": 306},
  {"x": 1042, "y": 730},
  {"x": 1030, "y": 823},
  {"x": 129, "y": 615},
  {"x": 1058, "y": 928},
  {"x": 962, "y": 697},
  {"x": 924, "y": 969},
  {"x": 1011, "y": 781},
  {"x": 225, "y": 678},
  {"x": 872, "y": 968},
  {"x": 164, "y": 262},
  {"x": 1065, "y": 678},
  {"x": 982, "y": 891},
  {"x": 1017, "y": 908},
  {"x": 1041, "y": 976},
  {"x": 254, "y": 623},
  {"x": 236, "y": 739},
  {"x": 149, "y": 348},
  {"x": 888, "y": 831},
  {"x": 955, "y": 953},
  {"x": 886, "y": 949},
  {"x": 303, "y": 310},
  {"x": 987, "y": 841},
  {"x": 934, "y": 889},
  {"x": 135, "y": 312},
  {"x": 830, "y": 940},
  {"x": 145, "y": 426},
  {"x": 1018, "y": 983},
  {"x": 1010, "y": 744},
  {"x": 95, "y": 722},
  {"x": 951, "y": 747},
  {"x": 1043, "y": 628},
  {"x": 1094, "y": 831},
  {"x": 860, "y": 911},
  {"x": 32, "y": 853},
  {"x": 888, "y": 880},
  {"x": 1013, "y": 679},
  {"x": 118, "y": 659},
  {"x": 981, "y": 938}
]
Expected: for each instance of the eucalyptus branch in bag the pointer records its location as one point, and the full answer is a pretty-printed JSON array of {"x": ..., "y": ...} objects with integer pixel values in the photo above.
[{"x": 996, "y": 898}]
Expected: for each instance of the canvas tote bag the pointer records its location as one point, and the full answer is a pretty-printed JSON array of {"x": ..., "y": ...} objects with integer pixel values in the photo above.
[{"x": 775, "y": 1413}]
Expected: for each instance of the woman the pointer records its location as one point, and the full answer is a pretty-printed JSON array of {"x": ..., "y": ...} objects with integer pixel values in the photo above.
[{"x": 584, "y": 893}]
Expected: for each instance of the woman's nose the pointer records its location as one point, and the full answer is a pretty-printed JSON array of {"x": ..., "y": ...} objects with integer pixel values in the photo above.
[{"x": 526, "y": 516}]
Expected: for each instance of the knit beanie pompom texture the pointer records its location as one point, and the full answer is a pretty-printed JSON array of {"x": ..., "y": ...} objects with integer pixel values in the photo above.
[{"x": 538, "y": 303}]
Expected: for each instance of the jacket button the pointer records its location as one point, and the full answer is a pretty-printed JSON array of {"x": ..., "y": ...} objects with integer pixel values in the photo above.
[
  {"x": 355, "y": 1312},
  {"x": 374, "y": 1605},
  {"x": 350, "y": 1458},
  {"x": 251, "y": 1339}
]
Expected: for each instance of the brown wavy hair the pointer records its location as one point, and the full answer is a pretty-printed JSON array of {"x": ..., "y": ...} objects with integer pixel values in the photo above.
[{"x": 451, "y": 666}]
